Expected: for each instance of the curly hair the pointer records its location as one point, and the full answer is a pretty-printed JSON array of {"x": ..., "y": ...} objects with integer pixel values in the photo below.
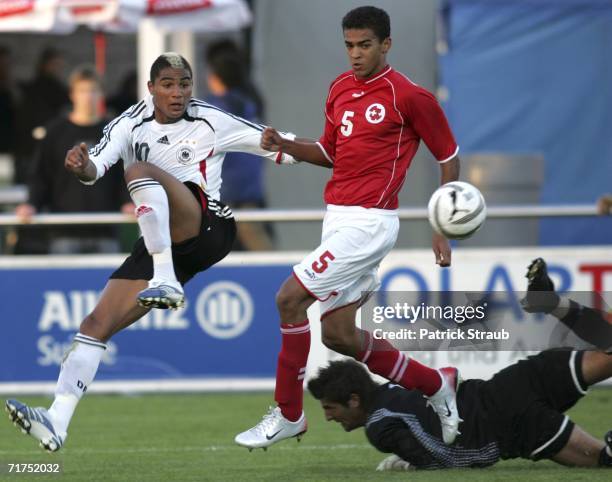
[
  {"x": 340, "y": 379},
  {"x": 373, "y": 18}
]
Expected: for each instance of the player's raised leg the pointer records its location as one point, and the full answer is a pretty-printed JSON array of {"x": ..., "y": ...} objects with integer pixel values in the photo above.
[
  {"x": 287, "y": 419},
  {"x": 167, "y": 212},
  {"x": 439, "y": 386},
  {"x": 116, "y": 310},
  {"x": 582, "y": 449},
  {"x": 592, "y": 325}
]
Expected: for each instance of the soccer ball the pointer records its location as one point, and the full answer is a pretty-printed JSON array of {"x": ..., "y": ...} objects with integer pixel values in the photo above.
[{"x": 457, "y": 210}]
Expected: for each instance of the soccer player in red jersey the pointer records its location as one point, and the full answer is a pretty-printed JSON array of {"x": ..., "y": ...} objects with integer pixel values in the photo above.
[{"x": 375, "y": 118}]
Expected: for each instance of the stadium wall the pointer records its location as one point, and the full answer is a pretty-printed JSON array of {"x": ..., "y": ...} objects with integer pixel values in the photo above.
[{"x": 227, "y": 337}]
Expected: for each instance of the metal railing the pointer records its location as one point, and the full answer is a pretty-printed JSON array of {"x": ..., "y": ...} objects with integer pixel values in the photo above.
[{"x": 296, "y": 215}]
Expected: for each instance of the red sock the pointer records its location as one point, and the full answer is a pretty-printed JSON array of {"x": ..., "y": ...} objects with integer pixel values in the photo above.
[
  {"x": 384, "y": 360},
  {"x": 291, "y": 369}
]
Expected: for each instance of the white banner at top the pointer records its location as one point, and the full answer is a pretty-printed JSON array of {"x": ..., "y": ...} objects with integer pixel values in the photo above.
[
  {"x": 29, "y": 15},
  {"x": 63, "y": 16}
]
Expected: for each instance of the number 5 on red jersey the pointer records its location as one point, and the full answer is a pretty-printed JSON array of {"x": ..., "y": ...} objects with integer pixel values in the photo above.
[{"x": 322, "y": 264}]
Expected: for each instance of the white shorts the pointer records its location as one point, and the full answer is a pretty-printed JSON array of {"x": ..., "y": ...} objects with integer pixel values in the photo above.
[{"x": 353, "y": 243}]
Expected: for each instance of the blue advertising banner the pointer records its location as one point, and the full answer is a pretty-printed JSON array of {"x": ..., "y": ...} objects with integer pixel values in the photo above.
[
  {"x": 229, "y": 327},
  {"x": 227, "y": 337}
]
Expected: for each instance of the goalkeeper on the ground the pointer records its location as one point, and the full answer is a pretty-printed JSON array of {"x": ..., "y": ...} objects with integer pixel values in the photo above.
[{"x": 519, "y": 412}]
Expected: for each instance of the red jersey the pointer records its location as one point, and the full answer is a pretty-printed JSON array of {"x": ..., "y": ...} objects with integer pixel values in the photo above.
[{"x": 372, "y": 131}]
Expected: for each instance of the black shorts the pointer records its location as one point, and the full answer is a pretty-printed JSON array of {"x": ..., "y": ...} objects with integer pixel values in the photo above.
[
  {"x": 217, "y": 234},
  {"x": 527, "y": 401}
]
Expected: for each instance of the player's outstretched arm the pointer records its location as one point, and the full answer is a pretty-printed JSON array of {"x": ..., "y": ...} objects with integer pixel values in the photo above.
[
  {"x": 305, "y": 150},
  {"x": 78, "y": 162},
  {"x": 449, "y": 171}
]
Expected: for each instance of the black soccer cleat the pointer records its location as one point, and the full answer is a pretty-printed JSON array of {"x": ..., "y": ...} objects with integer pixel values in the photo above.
[
  {"x": 537, "y": 276},
  {"x": 541, "y": 296},
  {"x": 605, "y": 456}
]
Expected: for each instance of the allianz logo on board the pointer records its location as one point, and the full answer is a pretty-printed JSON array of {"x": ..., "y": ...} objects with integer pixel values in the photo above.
[{"x": 223, "y": 309}]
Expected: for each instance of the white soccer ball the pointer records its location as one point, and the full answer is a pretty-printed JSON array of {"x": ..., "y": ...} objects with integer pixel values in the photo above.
[{"x": 457, "y": 210}]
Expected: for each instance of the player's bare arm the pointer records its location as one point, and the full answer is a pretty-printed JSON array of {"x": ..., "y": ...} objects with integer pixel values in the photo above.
[
  {"x": 305, "y": 150},
  {"x": 78, "y": 162},
  {"x": 449, "y": 171}
]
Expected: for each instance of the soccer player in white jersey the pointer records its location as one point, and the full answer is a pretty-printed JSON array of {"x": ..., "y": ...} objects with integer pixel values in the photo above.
[{"x": 173, "y": 147}]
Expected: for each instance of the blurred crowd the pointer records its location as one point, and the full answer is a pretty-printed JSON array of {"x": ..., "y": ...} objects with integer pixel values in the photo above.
[{"x": 40, "y": 119}]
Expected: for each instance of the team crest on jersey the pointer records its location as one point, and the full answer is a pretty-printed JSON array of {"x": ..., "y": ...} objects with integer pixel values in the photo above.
[
  {"x": 185, "y": 154},
  {"x": 375, "y": 113}
]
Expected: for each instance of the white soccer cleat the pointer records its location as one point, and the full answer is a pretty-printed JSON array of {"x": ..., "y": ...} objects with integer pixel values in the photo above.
[
  {"x": 35, "y": 422},
  {"x": 162, "y": 294},
  {"x": 444, "y": 403},
  {"x": 272, "y": 429},
  {"x": 393, "y": 463}
]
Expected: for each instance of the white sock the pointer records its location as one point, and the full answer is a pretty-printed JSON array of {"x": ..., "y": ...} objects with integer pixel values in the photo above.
[
  {"x": 76, "y": 374},
  {"x": 163, "y": 267},
  {"x": 153, "y": 216}
]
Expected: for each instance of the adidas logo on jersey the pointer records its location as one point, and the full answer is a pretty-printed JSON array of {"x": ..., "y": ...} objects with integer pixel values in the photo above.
[{"x": 163, "y": 140}]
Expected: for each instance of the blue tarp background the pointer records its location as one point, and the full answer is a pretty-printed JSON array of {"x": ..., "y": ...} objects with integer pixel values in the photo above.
[{"x": 535, "y": 76}]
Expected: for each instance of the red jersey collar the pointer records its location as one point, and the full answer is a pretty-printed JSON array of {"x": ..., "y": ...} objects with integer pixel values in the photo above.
[{"x": 386, "y": 69}]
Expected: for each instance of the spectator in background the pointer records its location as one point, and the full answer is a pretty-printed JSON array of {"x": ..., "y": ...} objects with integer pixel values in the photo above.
[
  {"x": 604, "y": 205},
  {"x": 126, "y": 96},
  {"x": 243, "y": 184},
  {"x": 52, "y": 188},
  {"x": 43, "y": 98},
  {"x": 7, "y": 102}
]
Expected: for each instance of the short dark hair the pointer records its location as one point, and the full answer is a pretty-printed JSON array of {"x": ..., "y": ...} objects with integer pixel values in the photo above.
[
  {"x": 339, "y": 380},
  {"x": 84, "y": 72},
  {"x": 226, "y": 60},
  {"x": 168, "y": 59},
  {"x": 47, "y": 55},
  {"x": 373, "y": 18}
]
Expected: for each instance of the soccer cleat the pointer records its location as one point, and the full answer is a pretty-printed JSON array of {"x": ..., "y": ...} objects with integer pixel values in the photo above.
[
  {"x": 541, "y": 296},
  {"x": 393, "y": 463},
  {"x": 35, "y": 422},
  {"x": 162, "y": 294},
  {"x": 273, "y": 428},
  {"x": 444, "y": 403},
  {"x": 605, "y": 456}
]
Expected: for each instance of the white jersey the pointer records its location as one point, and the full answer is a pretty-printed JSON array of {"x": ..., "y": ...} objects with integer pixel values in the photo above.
[{"x": 191, "y": 149}]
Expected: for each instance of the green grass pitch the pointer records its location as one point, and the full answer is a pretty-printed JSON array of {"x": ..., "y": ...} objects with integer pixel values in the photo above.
[{"x": 190, "y": 437}]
